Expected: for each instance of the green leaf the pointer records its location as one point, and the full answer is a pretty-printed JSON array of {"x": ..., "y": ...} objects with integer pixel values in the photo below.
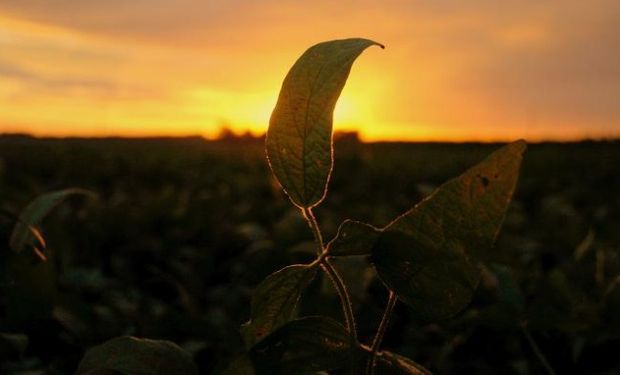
[
  {"x": 275, "y": 299},
  {"x": 354, "y": 238},
  {"x": 130, "y": 355},
  {"x": 26, "y": 229},
  {"x": 299, "y": 138},
  {"x": 435, "y": 282},
  {"x": 393, "y": 364},
  {"x": 429, "y": 255},
  {"x": 304, "y": 346}
]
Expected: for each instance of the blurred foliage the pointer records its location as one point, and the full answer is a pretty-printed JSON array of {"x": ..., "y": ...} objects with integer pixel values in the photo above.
[{"x": 184, "y": 229}]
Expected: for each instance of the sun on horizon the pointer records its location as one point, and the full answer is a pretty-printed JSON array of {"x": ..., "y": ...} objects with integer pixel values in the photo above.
[{"x": 451, "y": 71}]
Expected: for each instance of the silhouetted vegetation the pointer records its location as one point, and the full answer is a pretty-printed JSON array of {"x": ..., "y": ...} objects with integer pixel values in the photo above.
[{"x": 184, "y": 229}]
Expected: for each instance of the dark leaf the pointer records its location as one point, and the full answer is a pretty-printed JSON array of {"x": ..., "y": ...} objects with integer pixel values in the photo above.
[
  {"x": 357, "y": 274},
  {"x": 26, "y": 229},
  {"x": 275, "y": 299},
  {"x": 241, "y": 365},
  {"x": 354, "y": 238},
  {"x": 12, "y": 345},
  {"x": 304, "y": 346},
  {"x": 429, "y": 255},
  {"x": 130, "y": 355}
]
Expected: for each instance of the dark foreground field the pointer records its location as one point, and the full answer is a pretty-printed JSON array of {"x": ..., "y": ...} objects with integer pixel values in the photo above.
[{"x": 182, "y": 230}]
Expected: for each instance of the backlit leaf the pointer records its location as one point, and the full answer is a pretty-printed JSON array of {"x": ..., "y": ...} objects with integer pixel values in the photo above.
[
  {"x": 354, "y": 238},
  {"x": 429, "y": 255},
  {"x": 275, "y": 299},
  {"x": 304, "y": 346},
  {"x": 130, "y": 355},
  {"x": 26, "y": 231},
  {"x": 299, "y": 138}
]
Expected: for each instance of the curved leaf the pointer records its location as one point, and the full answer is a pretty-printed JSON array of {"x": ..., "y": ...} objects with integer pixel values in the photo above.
[
  {"x": 354, "y": 238},
  {"x": 429, "y": 255},
  {"x": 299, "y": 138},
  {"x": 26, "y": 231},
  {"x": 304, "y": 346},
  {"x": 130, "y": 355},
  {"x": 436, "y": 282},
  {"x": 275, "y": 299}
]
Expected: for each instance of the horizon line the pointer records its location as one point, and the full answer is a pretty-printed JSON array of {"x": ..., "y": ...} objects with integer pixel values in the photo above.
[{"x": 250, "y": 136}]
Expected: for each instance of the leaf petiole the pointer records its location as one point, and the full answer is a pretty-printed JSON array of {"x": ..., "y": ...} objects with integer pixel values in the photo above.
[
  {"x": 376, "y": 342},
  {"x": 332, "y": 273}
]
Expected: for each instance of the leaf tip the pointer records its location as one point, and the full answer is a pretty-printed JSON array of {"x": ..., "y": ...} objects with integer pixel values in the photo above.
[{"x": 372, "y": 42}]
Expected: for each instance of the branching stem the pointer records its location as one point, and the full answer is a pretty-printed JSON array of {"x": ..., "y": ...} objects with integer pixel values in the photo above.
[
  {"x": 343, "y": 293},
  {"x": 332, "y": 273},
  {"x": 316, "y": 231},
  {"x": 376, "y": 342}
]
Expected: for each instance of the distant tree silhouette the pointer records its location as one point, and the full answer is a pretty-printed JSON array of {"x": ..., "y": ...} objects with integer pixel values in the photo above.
[
  {"x": 347, "y": 136},
  {"x": 228, "y": 135}
]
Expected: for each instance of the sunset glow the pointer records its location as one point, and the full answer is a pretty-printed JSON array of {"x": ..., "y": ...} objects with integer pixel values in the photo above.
[{"x": 451, "y": 70}]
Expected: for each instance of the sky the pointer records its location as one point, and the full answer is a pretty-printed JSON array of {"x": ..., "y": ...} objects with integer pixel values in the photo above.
[{"x": 452, "y": 70}]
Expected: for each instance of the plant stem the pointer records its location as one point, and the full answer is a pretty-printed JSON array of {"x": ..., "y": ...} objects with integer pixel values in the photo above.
[
  {"x": 536, "y": 349},
  {"x": 316, "y": 231},
  {"x": 332, "y": 273},
  {"x": 343, "y": 293},
  {"x": 376, "y": 342}
]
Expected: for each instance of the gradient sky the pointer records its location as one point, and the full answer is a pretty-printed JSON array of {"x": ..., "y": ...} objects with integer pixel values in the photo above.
[{"x": 456, "y": 70}]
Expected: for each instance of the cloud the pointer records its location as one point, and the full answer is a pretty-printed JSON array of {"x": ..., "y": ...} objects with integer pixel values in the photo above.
[
  {"x": 228, "y": 26},
  {"x": 54, "y": 83},
  {"x": 449, "y": 64},
  {"x": 570, "y": 73},
  {"x": 32, "y": 82}
]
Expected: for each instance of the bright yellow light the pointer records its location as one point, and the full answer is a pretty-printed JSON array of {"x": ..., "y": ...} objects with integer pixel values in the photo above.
[{"x": 59, "y": 77}]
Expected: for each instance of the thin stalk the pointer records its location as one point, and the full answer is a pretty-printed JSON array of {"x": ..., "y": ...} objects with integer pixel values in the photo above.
[
  {"x": 332, "y": 273},
  {"x": 536, "y": 349},
  {"x": 319, "y": 260},
  {"x": 376, "y": 342},
  {"x": 343, "y": 293},
  {"x": 316, "y": 231}
]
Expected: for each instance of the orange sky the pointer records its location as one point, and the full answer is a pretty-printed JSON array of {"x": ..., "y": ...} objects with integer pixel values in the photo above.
[{"x": 452, "y": 70}]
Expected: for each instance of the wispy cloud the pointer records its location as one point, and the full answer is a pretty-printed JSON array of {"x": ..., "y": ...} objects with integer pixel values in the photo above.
[
  {"x": 71, "y": 85},
  {"x": 455, "y": 68}
]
